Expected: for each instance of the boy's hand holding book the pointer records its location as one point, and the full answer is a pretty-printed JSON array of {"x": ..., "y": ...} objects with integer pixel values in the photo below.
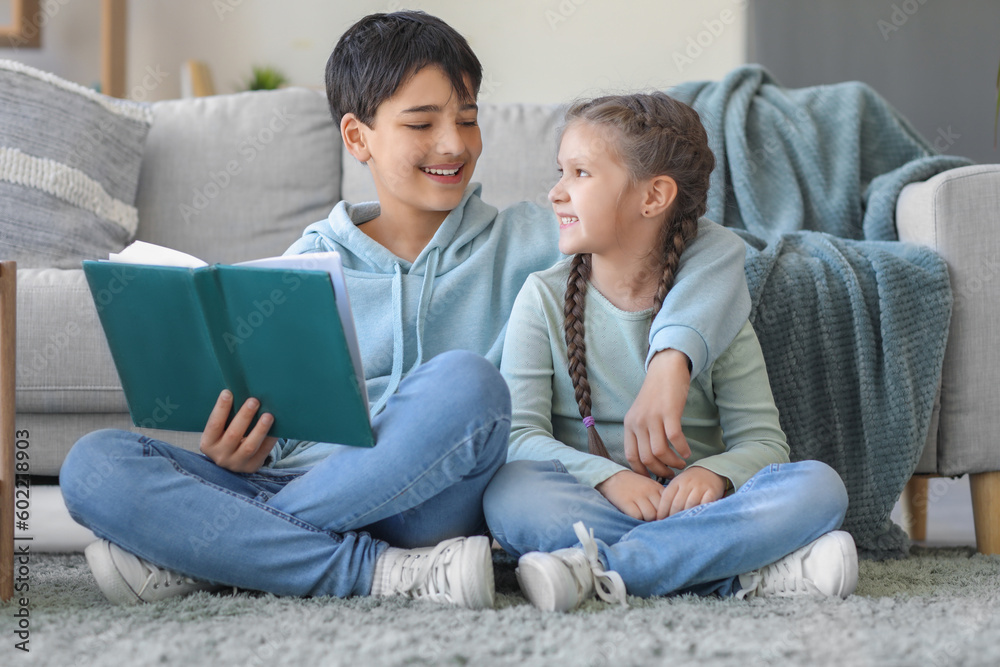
[{"x": 232, "y": 447}]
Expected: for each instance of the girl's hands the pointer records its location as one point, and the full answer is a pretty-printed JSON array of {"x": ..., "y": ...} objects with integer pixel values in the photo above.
[
  {"x": 695, "y": 486},
  {"x": 634, "y": 494},
  {"x": 645, "y": 499},
  {"x": 653, "y": 437},
  {"x": 233, "y": 448}
]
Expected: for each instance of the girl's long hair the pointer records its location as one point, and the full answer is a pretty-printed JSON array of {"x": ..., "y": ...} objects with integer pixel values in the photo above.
[{"x": 652, "y": 135}]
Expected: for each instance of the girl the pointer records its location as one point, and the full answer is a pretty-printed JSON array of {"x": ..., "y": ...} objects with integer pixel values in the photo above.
[{"x": 635, "y": 176}]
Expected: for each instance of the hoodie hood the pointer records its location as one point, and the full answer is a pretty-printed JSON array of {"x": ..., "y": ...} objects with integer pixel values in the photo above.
[
  {"x": 453, "y": 240},
  {"x": 455, "y": 294}
]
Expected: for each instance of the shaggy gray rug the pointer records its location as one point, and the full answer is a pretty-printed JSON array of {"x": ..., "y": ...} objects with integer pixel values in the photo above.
[{"x": 937, "y": 607}]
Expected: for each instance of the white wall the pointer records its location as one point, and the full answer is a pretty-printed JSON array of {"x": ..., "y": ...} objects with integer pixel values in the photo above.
[{"x": 531, "y": 50}]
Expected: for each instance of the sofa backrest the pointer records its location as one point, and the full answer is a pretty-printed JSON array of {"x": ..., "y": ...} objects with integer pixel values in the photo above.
[{"x": 236, "y": 177}]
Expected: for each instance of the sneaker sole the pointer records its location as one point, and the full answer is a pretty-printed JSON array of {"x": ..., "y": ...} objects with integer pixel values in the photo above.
[
  {"x": 542, "y": 579},
  {"x": 109, "y": 579},
  {"x": 477, "y": 574}
]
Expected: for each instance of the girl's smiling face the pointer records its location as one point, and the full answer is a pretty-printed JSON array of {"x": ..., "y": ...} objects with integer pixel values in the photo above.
[{"x": 594, "y": 199}]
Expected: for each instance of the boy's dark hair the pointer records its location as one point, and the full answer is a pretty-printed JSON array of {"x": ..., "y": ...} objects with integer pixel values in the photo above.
[{"x": 379, "y": 53}]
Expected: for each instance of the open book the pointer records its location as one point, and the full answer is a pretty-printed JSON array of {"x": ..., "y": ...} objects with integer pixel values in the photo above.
[{"x": 278, "y": 329}]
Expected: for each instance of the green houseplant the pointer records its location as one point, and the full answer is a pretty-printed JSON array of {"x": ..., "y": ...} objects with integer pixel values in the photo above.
[{"x": 265, "y": 78}]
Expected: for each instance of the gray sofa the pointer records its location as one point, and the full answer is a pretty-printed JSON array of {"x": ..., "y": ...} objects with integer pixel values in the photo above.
[{"x": 237, "y": 177}]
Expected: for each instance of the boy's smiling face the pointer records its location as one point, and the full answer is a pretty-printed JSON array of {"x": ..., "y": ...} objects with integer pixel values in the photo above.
[{"x": 421, "y": 149}]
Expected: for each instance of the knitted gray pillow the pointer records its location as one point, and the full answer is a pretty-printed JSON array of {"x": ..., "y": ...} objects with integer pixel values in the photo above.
[{"x": 69, "y": 168}]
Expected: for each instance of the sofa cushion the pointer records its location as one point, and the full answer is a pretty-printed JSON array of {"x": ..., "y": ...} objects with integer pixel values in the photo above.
[
  {"x": 63, "y": 361},
  {"x": 518, "y": 161},
  {"x": 69, "y": 167},
  {"x": 236, "y": 177}
]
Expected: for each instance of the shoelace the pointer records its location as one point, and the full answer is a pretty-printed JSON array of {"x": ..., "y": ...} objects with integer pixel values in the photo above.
[
  {"x": 608, "y": 584},
  {"x": 781, "y": 577},
  {"x": 426, "y": 575},
  {"x": 158, "y": 577}
]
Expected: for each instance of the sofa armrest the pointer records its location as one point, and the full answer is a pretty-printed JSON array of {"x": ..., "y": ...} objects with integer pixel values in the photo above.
[{"x": 957, "y": 213}]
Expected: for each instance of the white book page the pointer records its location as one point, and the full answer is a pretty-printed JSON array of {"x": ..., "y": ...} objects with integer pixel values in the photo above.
[
  {"x": 329, "y": 262},
  {"x": 140, "y": 252}
]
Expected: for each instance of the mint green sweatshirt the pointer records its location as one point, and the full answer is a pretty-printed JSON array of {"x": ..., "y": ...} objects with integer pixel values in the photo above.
[
  {"x": 730, "y": 420},
  {"x": 458, "y": 292}
]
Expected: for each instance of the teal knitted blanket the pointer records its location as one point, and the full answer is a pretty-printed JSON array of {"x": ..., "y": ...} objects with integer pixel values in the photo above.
[{"x": 853, "y": 323}]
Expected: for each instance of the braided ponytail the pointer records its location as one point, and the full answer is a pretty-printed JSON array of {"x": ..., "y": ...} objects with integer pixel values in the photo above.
[
  {"x": 576, "y": 348},
  {"x": 673, "y": 242},
  {"x": 656, "y": 135}
]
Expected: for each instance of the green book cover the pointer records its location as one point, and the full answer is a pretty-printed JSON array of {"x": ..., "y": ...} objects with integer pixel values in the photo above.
[{"x": 266, "y": 329}]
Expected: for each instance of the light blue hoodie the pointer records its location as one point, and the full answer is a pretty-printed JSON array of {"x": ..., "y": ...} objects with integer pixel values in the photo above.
[{"x": 459, "y": 291}]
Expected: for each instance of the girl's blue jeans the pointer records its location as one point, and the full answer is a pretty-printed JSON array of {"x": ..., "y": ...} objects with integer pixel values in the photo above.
[
  {"x": 532, "y": 506},
  {"x": 315, "y": 531}
]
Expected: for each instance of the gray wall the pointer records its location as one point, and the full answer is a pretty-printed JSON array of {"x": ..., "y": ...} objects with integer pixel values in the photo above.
[{"x": 934, "y": 60}]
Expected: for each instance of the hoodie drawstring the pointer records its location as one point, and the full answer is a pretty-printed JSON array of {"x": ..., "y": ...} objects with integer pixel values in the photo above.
[
  {"x": 426, "y": 292},
  {"x": 398, "y": 348},
  {"x": 397, "y": 340}
]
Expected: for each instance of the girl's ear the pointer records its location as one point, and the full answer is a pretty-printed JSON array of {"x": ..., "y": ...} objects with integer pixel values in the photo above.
[
  {"x": 352, "y": 131},
  {"x": 661, "y": 191}
]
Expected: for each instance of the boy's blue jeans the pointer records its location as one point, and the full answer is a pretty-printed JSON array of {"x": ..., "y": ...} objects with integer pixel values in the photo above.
[
  {"x": 532, "y": 506},
  {"x": 315, "y": 531}
]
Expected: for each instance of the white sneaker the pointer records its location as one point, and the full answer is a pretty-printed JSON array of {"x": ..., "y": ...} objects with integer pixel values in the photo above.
[
  {"x": 825, "y": 567},
  {"x": 458, "y": 571},
  {"x": 127, "y": 579},
  {"x": 564, "y": 579}
]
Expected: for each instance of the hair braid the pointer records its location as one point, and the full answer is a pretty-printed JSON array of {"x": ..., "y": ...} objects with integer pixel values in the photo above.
[
  {"x": 675, "y": 239},
  {"x": 653, "y": 134},
  {"x": 576, "y": 348}
]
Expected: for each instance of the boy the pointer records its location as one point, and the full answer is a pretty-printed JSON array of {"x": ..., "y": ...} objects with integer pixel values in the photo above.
[{"x": 432, "y": 273}]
